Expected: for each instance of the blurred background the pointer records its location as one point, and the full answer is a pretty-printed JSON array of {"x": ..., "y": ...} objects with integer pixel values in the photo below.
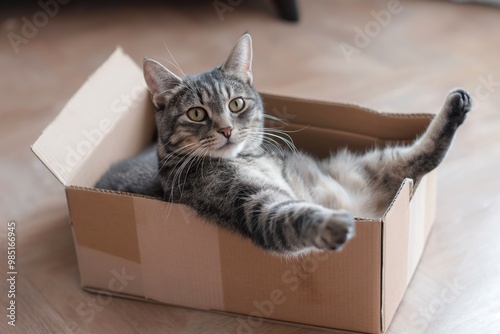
[{"x": 392, "y": 56}]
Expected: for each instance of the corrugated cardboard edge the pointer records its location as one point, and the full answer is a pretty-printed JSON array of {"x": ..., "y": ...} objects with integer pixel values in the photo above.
[
  {"x": 395, "y": 252},
  {"x": 420, "y": 210}
]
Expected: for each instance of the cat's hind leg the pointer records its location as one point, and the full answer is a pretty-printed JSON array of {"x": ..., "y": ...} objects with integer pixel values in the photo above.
[
  {"x": 389, "y": 166},
  {"x": 430, "y": 149}
]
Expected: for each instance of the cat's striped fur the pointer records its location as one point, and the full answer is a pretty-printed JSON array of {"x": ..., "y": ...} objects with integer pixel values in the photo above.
[{"x": 228, "y": 170}]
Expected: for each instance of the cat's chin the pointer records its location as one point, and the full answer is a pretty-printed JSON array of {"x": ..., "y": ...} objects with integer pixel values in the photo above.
[{"x": 228, "y": 151}]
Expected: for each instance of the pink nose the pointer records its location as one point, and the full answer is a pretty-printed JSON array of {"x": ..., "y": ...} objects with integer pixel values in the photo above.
[{"x": 226, "y": 132}]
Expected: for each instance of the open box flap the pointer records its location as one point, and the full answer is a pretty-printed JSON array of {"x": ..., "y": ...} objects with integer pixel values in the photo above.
[{"x": 89, "y": 115}]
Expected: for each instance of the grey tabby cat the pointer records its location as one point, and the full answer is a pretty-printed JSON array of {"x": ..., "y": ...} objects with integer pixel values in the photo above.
[
  {"x": 137, "y": 175},
  {"x": 214, "y": 156}
]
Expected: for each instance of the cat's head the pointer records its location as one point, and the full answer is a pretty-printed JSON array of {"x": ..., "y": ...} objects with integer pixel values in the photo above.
[{"x": 216, "y": 113}]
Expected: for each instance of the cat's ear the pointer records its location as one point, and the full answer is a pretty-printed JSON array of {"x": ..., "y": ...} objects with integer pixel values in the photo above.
[
  {"x": 160, "y": 81},
  {"x": 239, "y": 62}
]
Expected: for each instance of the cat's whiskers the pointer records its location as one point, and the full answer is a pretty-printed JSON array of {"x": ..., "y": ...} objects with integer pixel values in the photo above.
[
  {"x": 258, "y": 143},
  {"x": 178, "y": 149},
  {"x": 257, "y": 135},
  {"x": 174, "y": 63},
  {"x": 285, "y": 137},
  {"x": 178, "y": 174},
  {"x": 274, "y": 118},
  {"x": 269, "y": 138},
  {"x": 177, "y": 66},
  {"x": 189, "y": 160},
  {"x": 250, "y": 141},
  {"x": 162, "y": 163},
  {"x": 207, "y": 141},
  {"x": 181, "y": 161},
  {"x": 275, "y": 144},
  {"x": 195, "y": 156},
  {"x": 184, "y": 82},
  {"x": 202, "y": 158}
]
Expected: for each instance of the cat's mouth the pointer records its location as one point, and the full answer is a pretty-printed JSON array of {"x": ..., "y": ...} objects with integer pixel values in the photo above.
[
  {"x": 229, "y": 149},
  {"x": 228, "y": 145}
]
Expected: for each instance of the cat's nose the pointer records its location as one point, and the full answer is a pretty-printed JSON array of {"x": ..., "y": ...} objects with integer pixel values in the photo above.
[{"x": 226, "y": 132}]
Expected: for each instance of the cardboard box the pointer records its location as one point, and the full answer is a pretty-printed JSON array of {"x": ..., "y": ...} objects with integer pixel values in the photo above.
[{"x": 139, "y": 247}]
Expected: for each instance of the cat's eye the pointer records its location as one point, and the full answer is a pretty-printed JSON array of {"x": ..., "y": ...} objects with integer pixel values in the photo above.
[
  {"x": 197, "y": 114},
  {"x": 237, "y": 104}
]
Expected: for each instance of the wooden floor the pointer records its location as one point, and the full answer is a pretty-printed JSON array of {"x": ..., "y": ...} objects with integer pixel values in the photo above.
[{"x": 408, "y": 65}]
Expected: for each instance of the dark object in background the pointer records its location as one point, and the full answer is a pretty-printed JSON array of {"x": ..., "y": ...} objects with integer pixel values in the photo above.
[{"x": 288, "y": 9}]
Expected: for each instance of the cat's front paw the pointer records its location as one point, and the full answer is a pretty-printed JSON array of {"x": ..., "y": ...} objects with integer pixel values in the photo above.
[
  {"x": 334, "y": 232},
  {"x": 459, "y": 104}
]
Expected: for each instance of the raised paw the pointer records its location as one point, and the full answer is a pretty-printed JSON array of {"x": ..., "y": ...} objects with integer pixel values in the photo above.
[
  {"x": 335, "y": 231},
  {"x": 459, "y": 104}
]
